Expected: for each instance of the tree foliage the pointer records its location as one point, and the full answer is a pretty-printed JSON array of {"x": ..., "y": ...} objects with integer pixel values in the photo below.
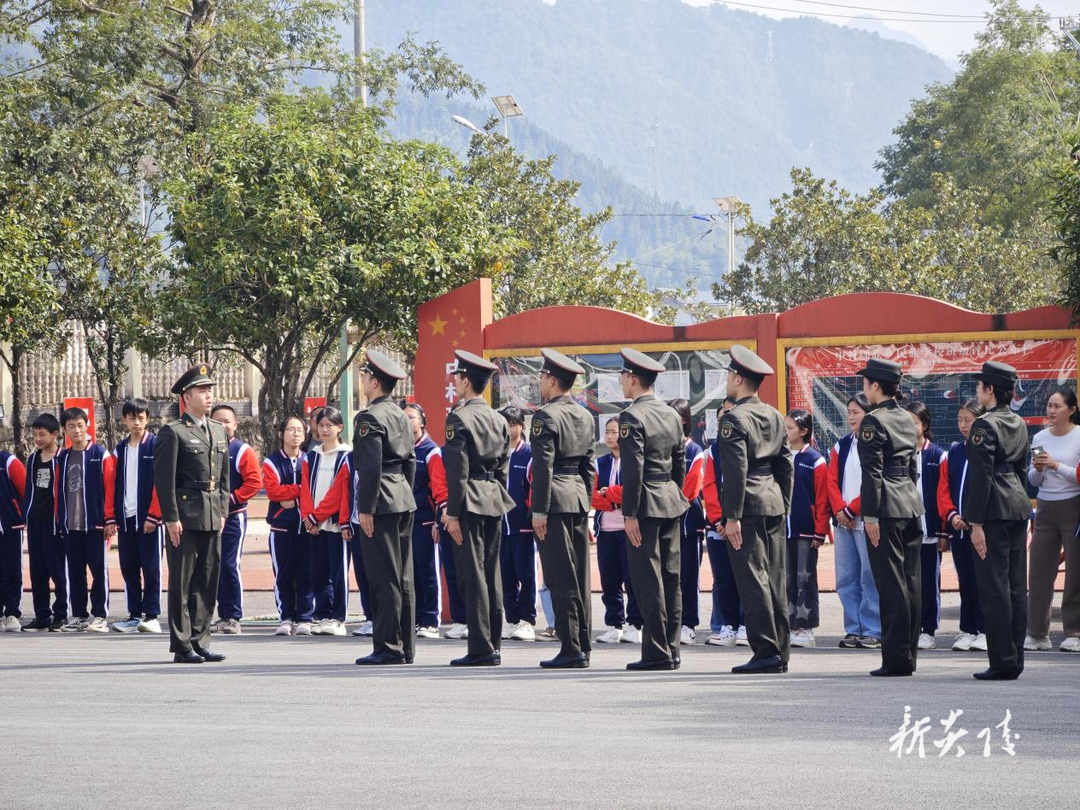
[{"x": 1065, "y": 210}]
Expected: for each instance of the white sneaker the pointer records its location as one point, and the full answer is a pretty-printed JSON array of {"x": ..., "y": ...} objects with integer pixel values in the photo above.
[
  {"x": 926, "y": 641},
  {"x": 97, "y": 625},
  {"x": 457, "y": 631},
  {"x": 507, "y": 630},
  {"x": 302, "y": 629},
  {"x": 11, "y": 624},
  {"x": 1036, "y": 644},
  {"x": 284, "y": 629},
  {"x": 427, "y": 632},
  {"x": 803, "y": 638},
  {"x": 740, "y": 637},
  {"x": 978, "y": 642},
  {"x": 364, "y": 629},
  {"x": 231, "y": 627},
  {"x": 319, "y": 627},
  {"x": 150, "y": 626},
  {"x": 333, "y": 627},
  {"x": 630, "y": 635},
  {"x": 963, "y": 642},
  {"x": 687, "y": 635},
  {"x": 613, "y": 635},
  {"x": 215, "y": 627},
  {"x": 126, "y": 626},
  {"x": 725, "y": 638},
  {"x": 523, "y": 632},
  {"x": 1071, "y": 644},
  {"x": 75, "y": 625}
]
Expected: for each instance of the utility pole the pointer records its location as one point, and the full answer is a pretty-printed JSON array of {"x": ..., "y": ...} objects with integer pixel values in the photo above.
[
  {"x": 729, "y": 205},
  {"x": 346, "y": 381}
]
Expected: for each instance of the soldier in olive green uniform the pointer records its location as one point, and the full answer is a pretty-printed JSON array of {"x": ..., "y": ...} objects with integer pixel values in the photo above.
[
  {"x": 385, "y": 463},
  {"x": 891, "y": 505},
  {"x": 563, "y": 436},
  {"x": 652, "y": 455},
  {"x": 758, "y": 472},
  {"x": 997, "y": 507},
  {"x": 477, "y": 460},
  {"x": 191, "y": 475}
]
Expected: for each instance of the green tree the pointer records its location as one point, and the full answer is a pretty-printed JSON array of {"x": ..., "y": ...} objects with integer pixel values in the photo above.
[
  {"x": 301, "y": 218},
  {"x": 556, "y": 256},
  {"x": 1066, "y": 222},
  {"x": 824, "y": 240}
]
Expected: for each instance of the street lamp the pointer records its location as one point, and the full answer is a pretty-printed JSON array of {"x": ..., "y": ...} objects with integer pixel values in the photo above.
[
  {"x": 729, "y": 205},
  {"x": 469, "y": 125},
  {"x": 508, "y": 108}
]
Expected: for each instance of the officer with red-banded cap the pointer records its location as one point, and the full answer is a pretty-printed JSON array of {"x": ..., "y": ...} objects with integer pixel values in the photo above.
[
  {"x": 758, "y": 471},
  {"x": 652, "y": 455},
  {"x": 477, "y": 460},
  {"x": 385, "y": 464},
  {"x": 562, "y": 480}
]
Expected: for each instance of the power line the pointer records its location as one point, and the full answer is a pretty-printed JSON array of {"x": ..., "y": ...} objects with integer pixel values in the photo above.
[
  {"x": 979, "y": 21},
  {"x": 889, "y": 10}
]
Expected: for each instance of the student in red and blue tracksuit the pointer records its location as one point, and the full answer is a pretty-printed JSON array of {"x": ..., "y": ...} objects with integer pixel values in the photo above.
[
  {"x": 44, "y": 543},
  {"x": 624, "y": 624},
  {"x": 934, "y": 536},
  {"x": 950, "y": 502},
  {"x": 807, "y": 527},
  {"x": 727, "y": 622},
  {"x": 429, "y": 492},
  {"x": 12, "y": 523},
  {"x": 363, "y": 584},
  {"x": 290, "y": 544},
  {"x": 86, "y": 517},
  {"x": 692, "y": 526},
  {"x": 245, "y": 481},
  {"x": 138, "y": 517},
  {"x": 517, "y": 553},
  {"x": 326, "y": 502}
]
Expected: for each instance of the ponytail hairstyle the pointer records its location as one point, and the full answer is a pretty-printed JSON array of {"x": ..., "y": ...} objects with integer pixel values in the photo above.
[
  {"x": 682, "y": 408},
  {"x": 922, "y": 413},
  {"x": 804, "y": 422},
  {"x": 973, "y": 407}
]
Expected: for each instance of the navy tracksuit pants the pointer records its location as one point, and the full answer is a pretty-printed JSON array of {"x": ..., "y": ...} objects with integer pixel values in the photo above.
[
  {"x": 47, "y": 561},
  {"x": 931, "y": 587},
  {"x": 363, "y": 584},
  {"x": 726, "y": 606},
  {"x": 87, "y": 550},
  {"x": 290, "y": 554},
  {"x": 330, "y": 575},
  {"x": 453, "y": 592},
  {"x": 427, "y": 585},
  {"x": 517, "y": 562},
  {"x": 614, "y": 576},
  {"x": 690, "y": 575},
  {"x": 11, "y": 572},
  {"x": 963, "y": 557},
  {"x": 230, "y": 587},
  {"x": 140, "y": 563}
]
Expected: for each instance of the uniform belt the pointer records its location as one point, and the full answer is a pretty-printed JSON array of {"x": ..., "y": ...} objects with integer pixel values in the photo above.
[
  {"x": 1004, "y": 469},
  {"x": 896, "y": 471},
  {"x": 392, "y": 467},
  {"x": 759, "y": 470},
  {"x": 567, "y": 469},
  {"x": 201, "y": 486},
  {"x": 482, "y": 475},
  {"x": 657, "y": 477}
]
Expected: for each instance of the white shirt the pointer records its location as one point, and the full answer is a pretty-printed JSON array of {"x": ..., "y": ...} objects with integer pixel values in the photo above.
[
  {"x": 131, "y": 480},
  {"x": 1059, "y": 484},
  {"x": 613, "y": 521},
  {"x": 918, "y": 485},
  {"x": 324, "y": 478},
  {"x": 852, "y": 488}
]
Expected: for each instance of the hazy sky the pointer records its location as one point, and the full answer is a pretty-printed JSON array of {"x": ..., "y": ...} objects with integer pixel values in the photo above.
[{"x": 946, "y": 39}]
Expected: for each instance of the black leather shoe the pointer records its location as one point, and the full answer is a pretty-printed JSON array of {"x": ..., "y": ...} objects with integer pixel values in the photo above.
[
  {"x": 885, "y": 672},
  {"x": 189, "y": 657},
  {"x": 997, "y": 675},
  {"x": 382, "y": 658},
  {"x": 212, "y": 657},
  {"x": 579, "y": 661},
  {"x": 489, "y": 660},
  {"x": 676, "y": 662},
  {"x": 758, "y": 666},
  {"x": 651, "y": 666}
]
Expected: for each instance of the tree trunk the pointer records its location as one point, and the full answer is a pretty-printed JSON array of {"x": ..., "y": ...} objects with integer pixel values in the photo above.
[{"x": 16, "y": 402}]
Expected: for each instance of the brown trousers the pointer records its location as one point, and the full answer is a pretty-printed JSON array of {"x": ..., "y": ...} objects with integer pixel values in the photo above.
[{"x": 1055, "y": 525}]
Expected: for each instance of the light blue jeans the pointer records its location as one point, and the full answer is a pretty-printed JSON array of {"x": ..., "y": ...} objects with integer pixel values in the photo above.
[{"x": 855, "y": 583}]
